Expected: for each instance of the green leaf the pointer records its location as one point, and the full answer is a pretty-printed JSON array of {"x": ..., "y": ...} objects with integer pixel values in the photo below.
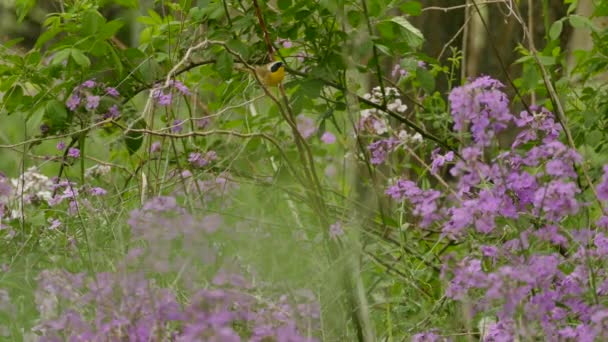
[
  {"x": 411, "y": 7},
  {"x": 13, "y": 42},
  {"x": 134, "y": 140},
  {"x": 23, "y": 7},
  {"x": 354, "y": 18},
  {"x": 55, "y": 115},
  {"x": 80, "y": 58},
  {"x": 413, "y": 36},
  {"x": 330, "y": 5},
  {"x": 311, "y": 88},
  {"x": 128, "y": 3},
  {"x": 529, "y": 77},
  {"x": 556, "y": 29},
  {"x": 109, "y": 29},
  {"x": 387, "y": 30},
  {"x": 224, "y": 64},
  {"x": 284, "y": 4},
  {"x": 13, "y": 99},
  {"x": 579, "y": 21},
  {"x": 46, "y": 36},
  {"x": 426, "y": 79},
  {"x": 547, "y": 60},
  {"x": 91, "y": 22},
  {"x": 61, "y": 56},
  {"x": 240, "y": 47}
]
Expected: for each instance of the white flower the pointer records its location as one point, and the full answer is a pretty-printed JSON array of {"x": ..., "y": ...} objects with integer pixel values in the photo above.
[
  {"x": 366, "y": 113},
  {"x": 380, "y": 127},
  {"x": 97, "y": 170}
]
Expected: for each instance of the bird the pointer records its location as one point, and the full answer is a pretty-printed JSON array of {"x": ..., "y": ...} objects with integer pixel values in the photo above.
[{"x": 270, "y": 74}]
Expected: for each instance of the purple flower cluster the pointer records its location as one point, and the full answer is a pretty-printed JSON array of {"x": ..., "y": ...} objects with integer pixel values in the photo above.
[
  {"x": 127, "y": 303},
  {"x": 517, "y": 210},
  {"x": 481, "y": 104},
  {"x": 164, "y": 95},
  {"x": 379, "y": 149},
  {"x": 89, "y": 94},
  {"x": 199, "y": 160}
]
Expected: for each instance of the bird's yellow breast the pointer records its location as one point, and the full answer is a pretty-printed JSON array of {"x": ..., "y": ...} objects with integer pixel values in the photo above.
[{"x": 276, "y": 77}]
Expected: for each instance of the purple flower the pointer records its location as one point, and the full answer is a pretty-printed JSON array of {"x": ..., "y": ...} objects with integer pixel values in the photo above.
[
  {"x": 424, "y": 201},
  {"x": 557, "y": 200},
  {"x": 112, "y": 113},
  {"x": 60, "y": 145},
  {"x": 73, "y": 102},
  {"x": 54, "y": 224},
  {"x": 489, "y": 251},
  {"x": 335, "y": 230},
  {"x": 306, "y": 126},
  {"x": 211, "y": 223},
  {"x": 439, "y": 160},
  {"x": 97, "y": 191},
  {"x": 155, "y": 147},
  {"x": 112, "y": 91},
  {"x": 202, "y": 122},
  {"x": 73, "y": 152},
  {"x": 92, "y": 102},
  {"x": 178, "y": 126},
  {"x": 88, "y": 84},
  {"x": 601, "y": 244},
  {"x": 602, "y": 188},
  {"x": 379, "y": 149},
  {"x": 328, "y": 138},
  {"x": 165, "y": 99},
  {"x": 481, "y": 104},
  {"x": 198, "y": 160},
  {"x": 181, "y": 88}
]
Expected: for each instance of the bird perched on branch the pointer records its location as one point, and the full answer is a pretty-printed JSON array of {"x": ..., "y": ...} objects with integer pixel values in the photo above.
[{"x": 270, "y": 74}]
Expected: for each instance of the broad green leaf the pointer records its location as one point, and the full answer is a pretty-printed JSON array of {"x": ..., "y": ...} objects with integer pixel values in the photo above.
[
  {"x": 556, "y": 29},
  {"x": 311, "y": 88},
  {"x": 224, "y": 64},
  {"x": 547, "y": 60},
  {"x": 284, "y": 4},
  {"x": 411, "y": 7},
  {"x": 354, "y": 18},
  {"x": 387, "y": 29},
  {"x": 55, "y": 115},
  {"x": 413, "y": 36},
  {"x": 80, "y": 58},
  {"x": 92, "y": 22},
  {"x": 426, "y": 79},
  {"x": 47, "y": 35},
  {"x": 529, "y": 77},
  {"x": 239, "y": 47},
  {"x": 330, "y": 5},
  {"x": 579, "y": 21},
  {"x": 61, "y": 56},
  {"x": 13, "y": 99},
  {"x": 109, "y": 29},
  {"x": 133, "y": 140}
]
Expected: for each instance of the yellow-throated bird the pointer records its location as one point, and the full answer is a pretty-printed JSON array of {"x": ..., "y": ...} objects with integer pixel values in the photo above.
[{"x": 270, "y": 74}]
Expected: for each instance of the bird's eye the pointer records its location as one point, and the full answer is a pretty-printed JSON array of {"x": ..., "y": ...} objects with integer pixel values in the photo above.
[{"x": 274, "y": 67}]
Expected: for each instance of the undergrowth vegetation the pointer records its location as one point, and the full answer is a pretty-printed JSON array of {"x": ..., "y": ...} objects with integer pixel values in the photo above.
[{"x": 154, "y": 188}]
